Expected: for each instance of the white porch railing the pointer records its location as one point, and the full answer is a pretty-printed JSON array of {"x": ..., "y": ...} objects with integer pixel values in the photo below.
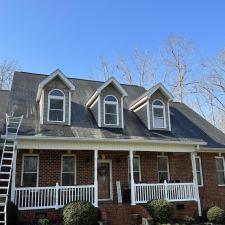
[
  {"x": 170, "y": 191},
  {"x": 52, "y": 197}
]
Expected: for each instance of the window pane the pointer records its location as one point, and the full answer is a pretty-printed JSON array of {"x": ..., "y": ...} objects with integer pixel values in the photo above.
[
  {"x": 197, "y": 162},
  {"x": 162, "y": 164},
  {"x": 158, "y": 122},
  {"x": 110, "y": 119},
  {"x": 30, "y": 179},
  {"x": 221, "y": 179},
  {"x": 158, "y": 112},
  {"x": 163, "y": 176},
  {"x": 110, "y": 99},
  {"x": 56, "y": 93},
  {"x": 136, "y": 177},
  {"x": 199, "y": 178},
  {"x": 56, "y": 104},
  {"x": 136, "y": 164},
  {"x": 68, "y": 179},
  {"x": 56, "y": 115},
  {"x": 110, "y": 108},
  {"x": 30, "y": 164},
  {"x": 157, "y": 102},
  {"x": 219, "y": 164},
  {"x": 68, "y": 164}
]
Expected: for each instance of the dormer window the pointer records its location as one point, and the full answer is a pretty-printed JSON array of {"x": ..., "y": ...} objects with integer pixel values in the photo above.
[
  {"x": 111, "y": 110},
  {"x": 158, "y": 113},
  {"x": 56, "y": 106}
]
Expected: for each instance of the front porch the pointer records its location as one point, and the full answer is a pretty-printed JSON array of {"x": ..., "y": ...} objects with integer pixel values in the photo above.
[{"x": 141, "y": 182}]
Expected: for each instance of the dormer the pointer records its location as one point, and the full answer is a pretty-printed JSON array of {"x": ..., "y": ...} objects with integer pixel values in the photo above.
[
  {"x": 153, "y": 109},
  {"x": 54, "y": 99},
  {"x": 106, "y": 104}
]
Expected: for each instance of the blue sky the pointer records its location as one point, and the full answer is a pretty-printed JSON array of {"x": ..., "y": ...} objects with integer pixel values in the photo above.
[{"x": 71, "y": 35}]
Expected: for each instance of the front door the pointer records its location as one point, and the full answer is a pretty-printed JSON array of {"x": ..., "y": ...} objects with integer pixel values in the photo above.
[{"x": 104, "y": 180}]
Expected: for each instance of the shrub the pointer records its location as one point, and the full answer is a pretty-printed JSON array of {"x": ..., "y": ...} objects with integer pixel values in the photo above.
[
  {"x": 79, "y": 213},
  {"x": 216, "y": 215},
  {"x": 161, "y": 210},
  {"x": 12, "y": 213},
  {"x": 188, "y": 220},
  {"x": 43, "y": 222}
]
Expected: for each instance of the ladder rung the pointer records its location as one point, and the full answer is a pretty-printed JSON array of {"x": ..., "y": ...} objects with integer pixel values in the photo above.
[
  {"x": 9, "y": 145},
  {"x": 4, "y": 172},
  {"x": 4, "y": 189},
  {"x": 11, "y": 152},
  {"x": 5, "y": 180},
  {"x": 6, "y": 165},
  {"x": 6, "y": 158}
]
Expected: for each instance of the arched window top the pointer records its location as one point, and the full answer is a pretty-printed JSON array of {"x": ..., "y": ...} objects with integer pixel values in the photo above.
[
  {"x": 158, "y": 102},
  {"x": 110, "y": 98},
  {"x": 56, "y": 93}
]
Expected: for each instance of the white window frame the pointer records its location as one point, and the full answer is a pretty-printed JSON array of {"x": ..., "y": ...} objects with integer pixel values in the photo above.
[
  {"x": 117, "y": 110},
  {"x": 22, "y": 171},
  {"x": 220, "y": 157},
  {"x": 57, "y": 98},
  {"x": 75, "y": 167},
  {"x": 200, "y": 171},
  {"x": 164, "y": 113},
  {"x": 168, "y": 166},
  {"x": 139, "y": 167}
]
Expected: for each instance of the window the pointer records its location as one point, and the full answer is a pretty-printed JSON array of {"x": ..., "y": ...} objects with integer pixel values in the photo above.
[
  {"x": 199, "y": 170},
  {"x": 111, "y": 110},
  {"x": 30, "y": 171},
  {"x": 136, "y": 169},
  {"x": 68, "y": 170},
  {"x": 158, "y": 112},
  {"x": 56, "y": 106},
  {"x": 163, "y": 169},
  {"x": 220, "y": 170}
]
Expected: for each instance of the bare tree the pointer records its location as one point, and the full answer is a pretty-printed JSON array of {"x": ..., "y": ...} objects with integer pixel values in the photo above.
[
  {"x": 7, "y": 68},
  {"x": 106, "y": 68},
  {"x": 177, "y": 60}
]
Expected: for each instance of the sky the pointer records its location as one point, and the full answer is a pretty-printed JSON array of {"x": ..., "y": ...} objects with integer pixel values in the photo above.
[{"x": 71, "y": 34}]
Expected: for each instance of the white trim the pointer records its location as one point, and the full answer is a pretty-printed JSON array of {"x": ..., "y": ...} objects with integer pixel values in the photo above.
[
  {"x": 75, "y": 167},
  {"x": 139, "y": 166},
  {"x": 93, "y": 104},
  {"x": 168, "y": 166},
  {"x": 22, "y": 171},
  {"x": 140, "y": 107},
  {"x": 168, "y": 110},
  {"x": 96, "y": 177},
  {"x": 57, "y": 98},
  {"x": 69, "y": 110},
  {"x": 117, "y": 110},
  {"x": 150, "y": 92},
  {"x": 110, "y": 178},
  {"x": 122, "y": 114},
  {"x": 148, "y": 115},
  {"x": 41, "y": 107},
  {"x": 99, "y": 112},
  {"x": 164, "y": 113},
  {"x": 132, "y": 183},
  {"x": 56, "y": 73},
  {"x": 201, "y": 174}
]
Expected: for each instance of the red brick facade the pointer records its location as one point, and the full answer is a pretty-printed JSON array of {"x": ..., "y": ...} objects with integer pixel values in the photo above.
[{"x": 179, "y": 165}]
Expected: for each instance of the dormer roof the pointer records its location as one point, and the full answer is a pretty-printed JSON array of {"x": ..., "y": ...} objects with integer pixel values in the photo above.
[
  {"x": 57, "y": 73},
  {"x": 149, "y": 93},
  {"x": 114, "y": 82}
]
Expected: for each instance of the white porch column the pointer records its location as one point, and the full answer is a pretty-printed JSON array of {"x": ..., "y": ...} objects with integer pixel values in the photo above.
[
  {"x": 195, "y": 181},
  {"x": 96, "y": 177},
  {"x": 132, "y": 192},
  {"x": 13, "y": 182}
]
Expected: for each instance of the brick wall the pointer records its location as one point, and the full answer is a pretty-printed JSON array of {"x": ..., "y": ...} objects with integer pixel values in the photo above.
[{"x": 180, "y": 169}]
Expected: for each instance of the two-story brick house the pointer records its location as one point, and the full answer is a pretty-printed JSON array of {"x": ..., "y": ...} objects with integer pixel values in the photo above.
[{"x": 87, "y": 140}]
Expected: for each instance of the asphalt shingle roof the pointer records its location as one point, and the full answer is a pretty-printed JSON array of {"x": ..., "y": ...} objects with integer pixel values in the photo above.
[{"x": 185, "y": 123}]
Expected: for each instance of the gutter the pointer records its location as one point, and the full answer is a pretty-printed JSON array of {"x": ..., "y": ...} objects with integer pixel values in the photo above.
[{"x": 75, "y": 139}]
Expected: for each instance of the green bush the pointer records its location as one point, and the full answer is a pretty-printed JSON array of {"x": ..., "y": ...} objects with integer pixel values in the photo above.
[
  {"x": 188, "y": 220},
  {"x": 79, "y": 213},
  {"x": 43, "y": 222},
  {"x": 161, "y": 210},
  {"x": 12, "y": 213},
  {"x": 216, "y": 215}
]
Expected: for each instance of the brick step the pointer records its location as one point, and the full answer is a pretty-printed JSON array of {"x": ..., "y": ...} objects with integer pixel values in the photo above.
[{"x": 115, "y": 214}]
